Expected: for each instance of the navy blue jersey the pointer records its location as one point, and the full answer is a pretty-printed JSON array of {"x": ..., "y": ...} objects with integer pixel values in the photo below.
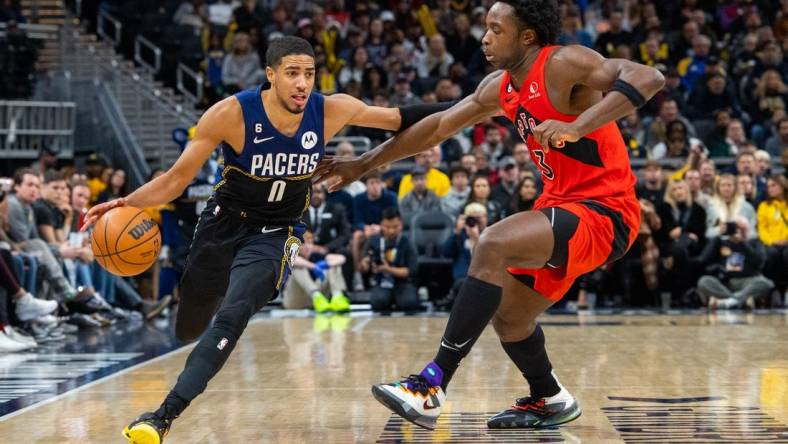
[{"x": 270, "y": 181}]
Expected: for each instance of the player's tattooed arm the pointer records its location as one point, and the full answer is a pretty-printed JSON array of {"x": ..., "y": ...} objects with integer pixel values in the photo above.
[
  {"x": 579, "y": 66},
  {"x": 219, "y": 123},
  {"x": 343, "y": 109}
]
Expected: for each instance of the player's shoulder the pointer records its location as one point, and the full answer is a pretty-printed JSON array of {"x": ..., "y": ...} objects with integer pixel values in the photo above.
[{"x": 574, "y": 55}]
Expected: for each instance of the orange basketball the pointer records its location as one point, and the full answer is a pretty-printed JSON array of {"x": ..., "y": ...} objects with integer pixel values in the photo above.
[{"x": 126, "y": 241}]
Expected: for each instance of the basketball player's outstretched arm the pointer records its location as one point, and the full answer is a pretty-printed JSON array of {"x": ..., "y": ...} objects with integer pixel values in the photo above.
[
  {"x": 426, "y": 133},
  {"x": 574, "y": 66},
  {"x": 342, "y": 109},
  {"x": 212, "y": 129}
]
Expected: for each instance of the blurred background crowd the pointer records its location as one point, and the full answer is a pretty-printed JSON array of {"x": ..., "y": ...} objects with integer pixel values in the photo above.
[{"x": 710, "y": 150}]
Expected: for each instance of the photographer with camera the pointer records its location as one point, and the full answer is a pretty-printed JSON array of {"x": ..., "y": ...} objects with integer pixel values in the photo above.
[
  {"x": 459, "y": 246},
  {"x": 393, "y": 261},
  {"x": 733, "y": 277}
]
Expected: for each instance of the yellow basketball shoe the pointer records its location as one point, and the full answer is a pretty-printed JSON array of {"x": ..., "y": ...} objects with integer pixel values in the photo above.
[{"x": 147, "y": 429}]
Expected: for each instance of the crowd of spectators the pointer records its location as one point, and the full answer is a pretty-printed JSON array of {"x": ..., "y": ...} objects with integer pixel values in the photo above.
[{"x": 710, "y": 150}]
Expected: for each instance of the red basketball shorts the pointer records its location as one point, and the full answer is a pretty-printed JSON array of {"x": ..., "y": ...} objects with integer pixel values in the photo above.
[{"x": 588, "y": 234}]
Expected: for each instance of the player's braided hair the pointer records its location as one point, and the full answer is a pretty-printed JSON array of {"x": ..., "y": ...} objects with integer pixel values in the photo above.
[
  {"x": 540, "y": 15},
  {"x": 285, "y": 46}
]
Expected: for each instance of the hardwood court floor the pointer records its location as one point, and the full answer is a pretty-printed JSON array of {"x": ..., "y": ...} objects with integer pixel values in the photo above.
[{"x": 688, "y": 378}]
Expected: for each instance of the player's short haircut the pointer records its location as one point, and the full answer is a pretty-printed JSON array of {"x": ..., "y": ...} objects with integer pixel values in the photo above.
[
  {"x": 390, "y": 213},
  {"x": 287, "y": 46},
  {"x": 53, "y": 176},
  {"x": 540, "y": 15}
]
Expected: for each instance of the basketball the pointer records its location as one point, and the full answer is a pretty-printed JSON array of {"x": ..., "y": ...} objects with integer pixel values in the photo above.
[{"x": 126, "y": 241}]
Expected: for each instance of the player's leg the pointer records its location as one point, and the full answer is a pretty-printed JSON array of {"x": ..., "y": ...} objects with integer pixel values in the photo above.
[
  {"x": 251, "y": 286},
  {"x": 523, "y": 341},
  {"x": 524, "y": 240}
]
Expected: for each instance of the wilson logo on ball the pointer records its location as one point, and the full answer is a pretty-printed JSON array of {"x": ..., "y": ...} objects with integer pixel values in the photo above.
[{"x": 138, "y": 231}]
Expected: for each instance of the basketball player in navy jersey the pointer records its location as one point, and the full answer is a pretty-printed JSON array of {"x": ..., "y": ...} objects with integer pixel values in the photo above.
[{"x": 248, "y": 236}]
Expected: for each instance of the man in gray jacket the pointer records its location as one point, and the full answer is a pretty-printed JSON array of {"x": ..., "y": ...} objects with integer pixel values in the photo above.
[{"x": 419, "y": 198}]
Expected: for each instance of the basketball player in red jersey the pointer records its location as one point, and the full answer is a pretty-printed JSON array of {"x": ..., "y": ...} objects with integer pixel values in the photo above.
[{"x": 564, "y": 102}]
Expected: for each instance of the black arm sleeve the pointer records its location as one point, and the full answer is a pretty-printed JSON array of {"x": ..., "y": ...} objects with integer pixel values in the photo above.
[{"x": 413, "y": 113}]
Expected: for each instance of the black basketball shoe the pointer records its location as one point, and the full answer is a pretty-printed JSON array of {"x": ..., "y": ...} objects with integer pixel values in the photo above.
[
  {"x": 147, "y": 429},
  {"x": 531, "y": 412}
]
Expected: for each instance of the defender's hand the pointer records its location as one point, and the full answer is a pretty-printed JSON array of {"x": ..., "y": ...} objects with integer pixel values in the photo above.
[
  {"x": 554, "y": 134},
  {"x": 339, "y": 171},
  {"x": 99, "y": 210}
]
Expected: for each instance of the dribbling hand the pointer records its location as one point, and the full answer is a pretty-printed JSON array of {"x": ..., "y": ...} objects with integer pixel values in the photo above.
[
  {"x": 554, "y": 134},
  {"x": 97, "y": 211}
]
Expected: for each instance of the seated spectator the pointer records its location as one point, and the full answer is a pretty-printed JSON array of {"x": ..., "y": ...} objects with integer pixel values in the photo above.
[
  {"x": 525, "y": 196},
  {"x": 116, "y": 187},
  {"x": 454, "y": 201},
  {"x": 714, "y": 94},
  {"x": 657, "y": 130},
  {"x": 678, "y": 143},
  {"x": 607, "y": 41},
  {"x": 734, "y": 277},
  {"x": 523, "y": 158},
  {"x": 746, "y": 164},
  {"x": 673, "y": 90},
  {"x": 24, "y": 234},
  {"x": 459, "y": 246},
  {"x": 572, "y": 32},
  {"x": 53, "y": 214},
  {"x": 94, "y": 166},
  {"x": 402, "y": 95},
  {"x": 26, "y": 306},
  {"x": 249, "y": 15},
  {"x": 191, "y": 13},
  {"x": 748, "y": 190},
  {"x": 437, "y": 180},
  {"x": 708, "y": 176},
  {"x": 681, "y": 235},
  {"x": 47, "y": 159},
  {"x": 279, "y": 22},
  {"x": 345, "y": 149},
  {"x": 770, "y": 94},
  {"x": 715, "y": 140},
  {"x": 463, "y": 45},
  {"x": 393, "y": 261},
  {"x": 505, "y": 191},
  {"x": 354, "y": 70},
  {"x": 634, "y": 134},
  {"x": 652, "y": 188},
  {"x": 493, "y": 145},
  {"x": 315, "y": 272},
  {"x": 435, "y": 61},
  {"x": 221, "y": 12},
  {"x": 241, "y": 67},
  {"x": 773, "y": 231},
  {"x": 778, "y": 143},
  {"x": 468, "y": 161},
  {"x": 420, "y": 198},
  {"x": 735, "y": 139},
  {"x": 480, "y": 193},
  {"x": 698, "y": 196},
  {"x": 368, "y": 210},
  {"x": 727, "y": 206},
  {"x": 692, "y": 68}
]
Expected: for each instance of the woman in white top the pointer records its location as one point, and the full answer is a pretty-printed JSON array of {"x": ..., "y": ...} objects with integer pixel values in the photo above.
[{"x": 727, "y": 206}]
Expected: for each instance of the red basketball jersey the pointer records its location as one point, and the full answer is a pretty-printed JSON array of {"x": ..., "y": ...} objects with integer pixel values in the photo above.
[{"x": 595, "y": 167}]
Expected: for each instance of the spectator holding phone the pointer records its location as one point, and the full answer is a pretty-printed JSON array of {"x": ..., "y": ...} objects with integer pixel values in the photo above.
[{"x": 726, "y": 206}]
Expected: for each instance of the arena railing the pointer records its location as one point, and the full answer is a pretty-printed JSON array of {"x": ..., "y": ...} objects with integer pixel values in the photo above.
[
  {"x": 186, "y": 76},
  {"x": 26, "y": 126},
  {"x": 141, "y": 45},
  {"x": 111, "y": 35}
]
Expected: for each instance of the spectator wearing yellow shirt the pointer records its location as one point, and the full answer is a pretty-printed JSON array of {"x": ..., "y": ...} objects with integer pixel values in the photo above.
[
  {"x": 773, "y": 231},
  {"x": 437, "y": 181},
  {"x": 94, "y": 166}
]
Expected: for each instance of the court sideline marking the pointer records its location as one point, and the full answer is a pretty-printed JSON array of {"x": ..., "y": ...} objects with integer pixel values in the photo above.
[{"x": 108, "y": 377}]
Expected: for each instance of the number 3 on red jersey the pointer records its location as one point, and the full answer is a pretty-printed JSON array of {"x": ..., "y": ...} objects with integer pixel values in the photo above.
[{"x": 546, "y": 170}]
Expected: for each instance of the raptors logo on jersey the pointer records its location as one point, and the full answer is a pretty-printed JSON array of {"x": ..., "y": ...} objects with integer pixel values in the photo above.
[
  {"x": 594, "y": 167},
  {"x": 271, "y": 178}
]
